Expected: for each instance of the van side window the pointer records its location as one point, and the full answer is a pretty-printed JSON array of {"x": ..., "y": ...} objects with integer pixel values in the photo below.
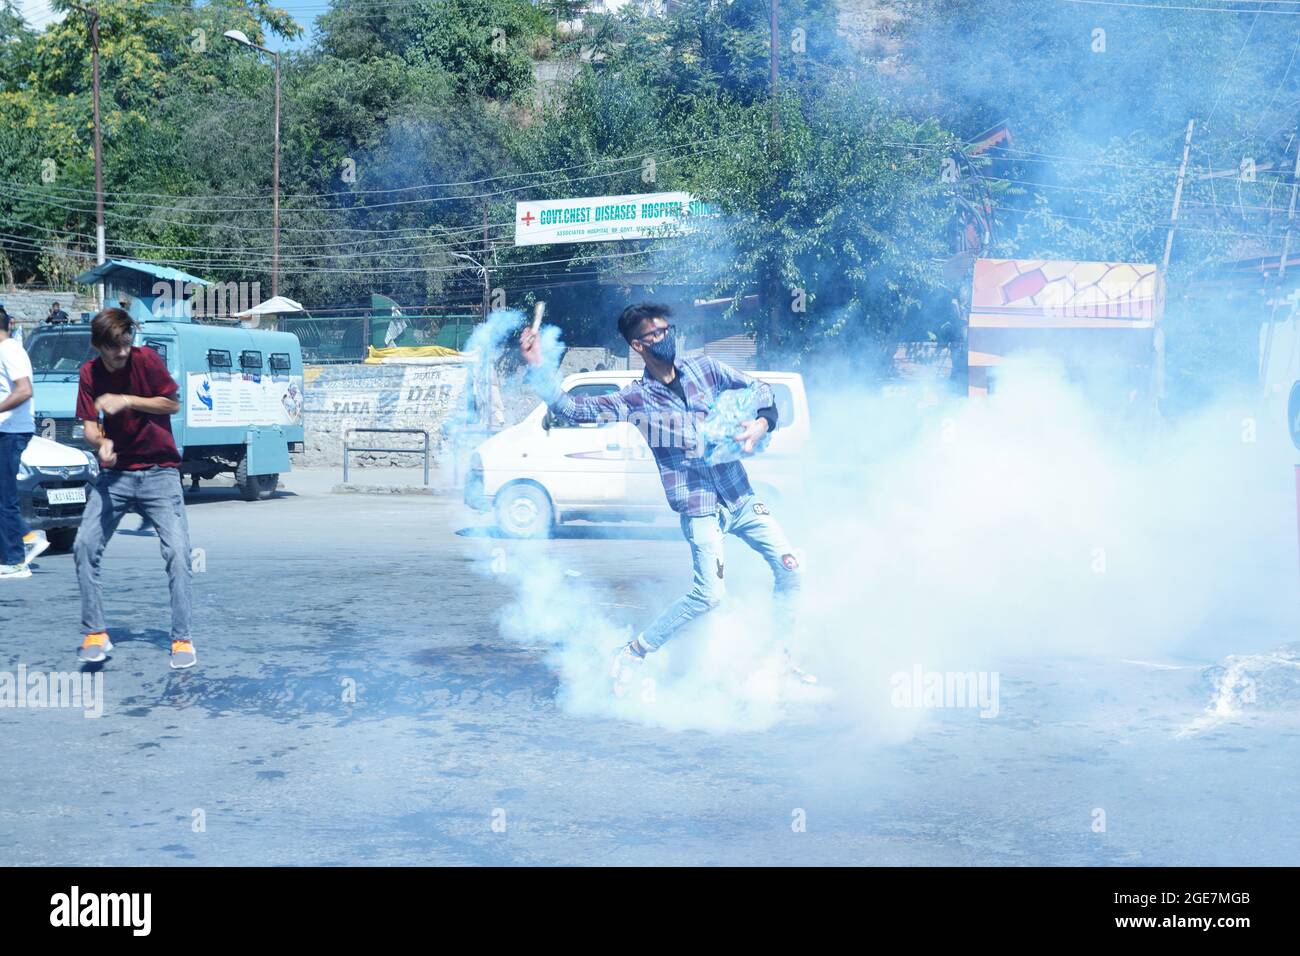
[
  {"x": 219, "y": 358},
  {"x": 280, "y": 362},
  {"x": 578, "y": 391},
  {"x": 250, "y": 360}
]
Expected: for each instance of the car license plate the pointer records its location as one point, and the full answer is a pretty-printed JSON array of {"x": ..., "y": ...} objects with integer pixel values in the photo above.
[{"x": 66, "y": 496}]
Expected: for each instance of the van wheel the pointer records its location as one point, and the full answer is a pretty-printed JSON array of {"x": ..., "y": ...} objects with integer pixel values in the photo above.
[
  {"x": 524, "y": 510},
  {"x": 250, "y": 486}
]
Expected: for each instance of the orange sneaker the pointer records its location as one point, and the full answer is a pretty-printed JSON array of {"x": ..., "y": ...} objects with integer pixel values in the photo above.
[
  {"x": 94, "y": 648},
  {"x": 183, "y": 654}
]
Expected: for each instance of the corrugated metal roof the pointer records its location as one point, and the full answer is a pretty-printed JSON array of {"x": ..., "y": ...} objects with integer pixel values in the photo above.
[
  {"x": 738, "y": 351},
  {"x": 165, "y": 273}
]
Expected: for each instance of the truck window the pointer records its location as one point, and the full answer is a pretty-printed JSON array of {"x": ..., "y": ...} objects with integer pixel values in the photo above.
[
  {"x": 62, "y": 351},
  {"x": 219, "y": 358},
  {"x": 159, "y": 347},
  {"x": 280, "y": 362},
  {"x": 250, "y": 359}
]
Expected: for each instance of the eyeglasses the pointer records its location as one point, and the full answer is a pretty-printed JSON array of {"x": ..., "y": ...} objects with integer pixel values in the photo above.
[{"x": 658, "y": 334}]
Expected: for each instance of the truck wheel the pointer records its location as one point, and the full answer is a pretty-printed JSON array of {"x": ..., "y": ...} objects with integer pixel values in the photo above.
[
  {"x": 250, "y": 486},
  {"x": 524, "y": 510},
  {"x": 269, "y": 484},
  {"x": 61, "y": 539}
]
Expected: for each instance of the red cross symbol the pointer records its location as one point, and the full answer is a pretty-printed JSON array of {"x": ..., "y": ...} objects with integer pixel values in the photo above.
[{"x": 528, "y": 219}]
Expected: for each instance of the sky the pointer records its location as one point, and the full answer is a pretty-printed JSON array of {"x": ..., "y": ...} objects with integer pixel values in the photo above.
[{"x": 38, "y": 14}]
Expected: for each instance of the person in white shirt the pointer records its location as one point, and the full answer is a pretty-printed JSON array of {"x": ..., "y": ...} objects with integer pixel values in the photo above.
[{"x": 17, "y": 425}]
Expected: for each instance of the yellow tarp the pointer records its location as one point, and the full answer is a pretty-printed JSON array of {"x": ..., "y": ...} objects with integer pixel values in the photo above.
[{"x": 377, "y": 356}]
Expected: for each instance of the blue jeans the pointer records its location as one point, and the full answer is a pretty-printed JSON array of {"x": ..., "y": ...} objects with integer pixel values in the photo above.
[
  {"x": 12, "y": 527},
  {"x": 753, "y": 523},
  {"x": 155, "y": 494}
]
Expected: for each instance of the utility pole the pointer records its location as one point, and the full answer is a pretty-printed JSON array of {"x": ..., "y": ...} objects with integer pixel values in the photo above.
[
  {"x": 275, "y": 189},
  {"x": 770, "y": 287},
  {"x": 1178, "y": 195},
  {"x": 93, "y": 13},
  {"x": 238, "y": 36},
  {"x": 1158, "y": 336},
  {"x": 1267, "y": 355},
  {"x": 487, "y": 287},
  {"x": 775, "y": 48},
  {"x": 1290, "y": 218}
]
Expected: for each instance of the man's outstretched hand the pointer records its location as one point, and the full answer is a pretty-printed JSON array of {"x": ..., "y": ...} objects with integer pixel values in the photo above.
[
  {"x": 530, "y": 347},
  {"x": 751, "y": 432}
]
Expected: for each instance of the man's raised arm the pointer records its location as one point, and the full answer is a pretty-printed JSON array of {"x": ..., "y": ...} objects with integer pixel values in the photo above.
[{"x": 586, "y": 408}]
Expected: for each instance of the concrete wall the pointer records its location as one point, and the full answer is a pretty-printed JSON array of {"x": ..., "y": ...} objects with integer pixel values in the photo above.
[
  {"x": 31, "y": 306},
  {"x": 577, "y": 358},
  {"x": 339, "y": 397}
]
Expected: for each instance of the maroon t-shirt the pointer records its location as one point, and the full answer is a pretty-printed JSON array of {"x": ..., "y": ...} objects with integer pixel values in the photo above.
[{"x": 140, "y": 439}]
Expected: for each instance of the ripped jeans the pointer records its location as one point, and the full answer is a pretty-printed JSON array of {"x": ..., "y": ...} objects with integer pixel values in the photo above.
[{"x": 752, "y": 522}]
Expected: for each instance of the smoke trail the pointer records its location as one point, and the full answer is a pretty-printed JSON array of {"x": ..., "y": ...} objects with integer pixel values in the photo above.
[
  {"x": 1029, "y": 525},
  {"x": 954, "y": 537}
]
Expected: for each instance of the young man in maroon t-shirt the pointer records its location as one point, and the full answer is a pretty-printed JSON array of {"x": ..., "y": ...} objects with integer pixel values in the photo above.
[{"x": 141, "y": 472}]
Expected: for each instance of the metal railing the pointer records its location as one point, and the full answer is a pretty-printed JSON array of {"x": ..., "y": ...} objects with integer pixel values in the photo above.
[{"x": 348, "y": 449}]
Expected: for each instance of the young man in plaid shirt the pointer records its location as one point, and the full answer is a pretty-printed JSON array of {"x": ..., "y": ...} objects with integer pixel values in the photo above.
[{"x": 670, "y": 399}]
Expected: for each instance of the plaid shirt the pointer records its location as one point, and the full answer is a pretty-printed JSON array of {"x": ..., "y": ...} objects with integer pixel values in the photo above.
[{"x": 693, "y": 486}]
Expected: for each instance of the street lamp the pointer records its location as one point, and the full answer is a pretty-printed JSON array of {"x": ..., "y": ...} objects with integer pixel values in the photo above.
[{"x": 238, "y": 36}]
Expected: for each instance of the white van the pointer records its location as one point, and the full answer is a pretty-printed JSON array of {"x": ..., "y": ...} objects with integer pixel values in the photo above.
[{"x": 544, "y": 471}]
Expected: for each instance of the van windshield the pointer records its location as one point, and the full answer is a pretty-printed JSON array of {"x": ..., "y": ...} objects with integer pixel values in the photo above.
[{"x": 62, "y": 351}]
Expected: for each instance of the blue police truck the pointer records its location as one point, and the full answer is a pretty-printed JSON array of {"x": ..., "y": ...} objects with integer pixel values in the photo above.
[{"x": 241, "y": 389}]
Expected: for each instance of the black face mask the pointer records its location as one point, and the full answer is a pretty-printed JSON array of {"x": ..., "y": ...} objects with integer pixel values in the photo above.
[{"x": 665, "y": 349}]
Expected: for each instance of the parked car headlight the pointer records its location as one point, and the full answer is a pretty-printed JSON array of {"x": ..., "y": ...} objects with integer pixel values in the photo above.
[
  {"x": 23, "y": 470},
  {"x": 93, "y": 464}
]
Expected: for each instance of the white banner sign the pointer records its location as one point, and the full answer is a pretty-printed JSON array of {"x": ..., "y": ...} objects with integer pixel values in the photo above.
[
  {"x": 605, "y": 218},
  {"x": 240, "y": 398}
]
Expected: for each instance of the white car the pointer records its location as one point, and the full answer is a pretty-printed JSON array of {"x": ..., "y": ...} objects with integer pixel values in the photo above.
[
  {"x": 54, "y": 482},
  {"x": 543, "y": 471}
]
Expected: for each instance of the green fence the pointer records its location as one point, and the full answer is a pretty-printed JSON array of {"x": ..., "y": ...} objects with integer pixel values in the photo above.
[{"x": 332, "y": 339}]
